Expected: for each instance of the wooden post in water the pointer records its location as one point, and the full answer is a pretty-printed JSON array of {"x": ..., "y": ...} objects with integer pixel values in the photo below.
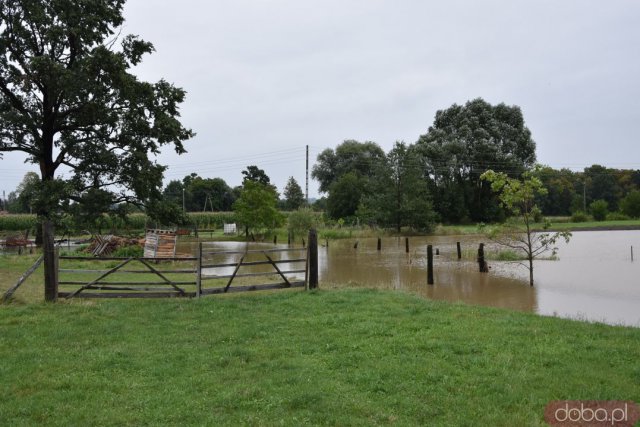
[
  {"x": 275, "y": 239},
  {"x": 304, "y": 244},
  {"x": 355, "y": 246},
  {"x": 326, "y": 243},
  {"x": 482, "y": 264},
  {"x": 459, "y": 250},
  {"x": 379, "y": 244},
  {"x": 313, "y": 259},
  {"x": 632, "y": 253},
  {"x": 437, "y": 251},
  {"x": 199, "y": 272},
  {"x": 430, "y": 265},
  {"x": 406, "y": 244},
  {"x": 289, "y": 238}
]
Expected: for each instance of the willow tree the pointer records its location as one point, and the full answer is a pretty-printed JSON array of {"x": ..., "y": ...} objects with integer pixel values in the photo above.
[{"x": 69, "y": 102}]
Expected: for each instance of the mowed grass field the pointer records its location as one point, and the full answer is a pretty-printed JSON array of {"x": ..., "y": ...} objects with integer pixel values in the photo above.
[{"x": 348, "y": 357}]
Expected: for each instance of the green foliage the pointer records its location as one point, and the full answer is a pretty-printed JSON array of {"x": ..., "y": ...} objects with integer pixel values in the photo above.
[
  {"x": 398, "y": 196},
  {"x": 599, "y": 209},
  {"x": 20, "y": 222},
  {"x": 256, "y": 207},
  {"x": 300, "y": 221},
  {"x": 630, "y": 205},
  {"x": 579, "y": 216},
  {"x": 358, "y": 158},
  {"x": 617, "y": 216},
  {"x": 465, "y": 141},
  {"x": 134, "y": 251},
  {"x": 68, "y": 98},
  {"x": 344, "y": 195},
  {"x": 293, "y": 195},
  {"x": 22, "y": 200},
  {"x": 518, "y": 198}
]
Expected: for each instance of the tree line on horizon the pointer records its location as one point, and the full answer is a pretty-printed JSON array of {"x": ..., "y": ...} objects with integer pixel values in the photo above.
[{"x": 435, "y": 179}]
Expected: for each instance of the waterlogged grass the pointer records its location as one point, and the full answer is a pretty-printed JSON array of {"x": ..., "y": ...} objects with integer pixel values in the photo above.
[{"x": 302, "y": 358}]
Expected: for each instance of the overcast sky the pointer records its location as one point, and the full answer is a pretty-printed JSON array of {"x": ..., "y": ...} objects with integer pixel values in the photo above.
[{"x": 264, "y": 78}]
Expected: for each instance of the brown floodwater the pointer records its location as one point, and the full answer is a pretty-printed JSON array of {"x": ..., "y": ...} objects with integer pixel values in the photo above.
[{"x": 593, "y": 279}]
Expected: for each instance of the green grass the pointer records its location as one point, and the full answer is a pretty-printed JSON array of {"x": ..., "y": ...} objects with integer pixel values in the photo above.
[{"x": 354, "y": 357}]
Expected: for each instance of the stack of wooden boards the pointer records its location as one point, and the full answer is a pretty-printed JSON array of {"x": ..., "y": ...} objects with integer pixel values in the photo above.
[{"x": 160, "y": 244}]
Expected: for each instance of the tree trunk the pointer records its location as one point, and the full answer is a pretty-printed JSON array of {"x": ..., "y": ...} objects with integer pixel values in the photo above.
[
  {"x": 49, "y": 256},
  {"x": 530, "y": 270}
]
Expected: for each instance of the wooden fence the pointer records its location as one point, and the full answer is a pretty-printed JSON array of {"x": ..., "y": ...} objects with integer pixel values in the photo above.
[{"x": 211, "y": 271}]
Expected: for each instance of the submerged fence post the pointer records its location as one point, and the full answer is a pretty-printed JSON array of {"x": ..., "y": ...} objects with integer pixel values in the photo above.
[
  {"x": 313, "y": 259},
  {"x": 437, "y": 251},
  {"x": 482, "y": 264},
  {"x": 632, "y": 253},
  {"x": 429, "y": 265},
  {"x": 275, "y": 239},
  {"x": 459, "y": 250},
  {"x": 199, "y": 271},
  {"x": 289, "y": 238},
  {"x": 379, "y": 243},
  {"x": 406, "y": 244}
]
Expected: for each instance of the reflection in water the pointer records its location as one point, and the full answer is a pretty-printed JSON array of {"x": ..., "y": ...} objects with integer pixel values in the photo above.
[
  {"x": 594, "y": 279},
  {"x": 393, "y": 268}
]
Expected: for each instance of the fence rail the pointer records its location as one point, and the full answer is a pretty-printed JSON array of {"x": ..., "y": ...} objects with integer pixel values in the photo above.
[{"x": 198, "y": 279}]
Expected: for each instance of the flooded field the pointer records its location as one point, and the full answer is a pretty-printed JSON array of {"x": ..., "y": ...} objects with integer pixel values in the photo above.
[{"x": 594, "y": 278}]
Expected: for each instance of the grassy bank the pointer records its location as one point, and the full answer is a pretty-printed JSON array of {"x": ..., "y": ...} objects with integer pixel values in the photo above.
[{"x": 295, "y": 358}]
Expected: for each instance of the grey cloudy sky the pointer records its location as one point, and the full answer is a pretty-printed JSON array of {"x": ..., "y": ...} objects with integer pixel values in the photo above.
[{"x": 266, "y": 77}]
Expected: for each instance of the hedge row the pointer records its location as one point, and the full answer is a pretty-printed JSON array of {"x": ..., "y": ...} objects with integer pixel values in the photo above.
[{"x": 203, "y": 220}]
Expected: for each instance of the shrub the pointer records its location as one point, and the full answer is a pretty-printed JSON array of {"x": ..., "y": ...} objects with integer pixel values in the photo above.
[
  {"x": 630, "y": 205},
  {"x": 579, "y": 216},
  {"x": 617, "y": 216},
  {"x": 133, "y": 251},
  {"x": 302, "y": 220},
  {"x": 599, "y": 209}
]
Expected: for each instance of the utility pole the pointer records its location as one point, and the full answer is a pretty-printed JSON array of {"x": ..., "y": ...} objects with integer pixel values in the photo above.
[
  {"x": 306, "y": 193},
  {"x": 183, "y": 209}
]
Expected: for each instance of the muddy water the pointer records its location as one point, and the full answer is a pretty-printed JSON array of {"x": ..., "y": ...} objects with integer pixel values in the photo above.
[{"x": 594, "y": 278}]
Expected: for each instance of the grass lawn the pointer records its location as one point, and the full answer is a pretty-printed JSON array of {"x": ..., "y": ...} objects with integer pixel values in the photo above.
[{"x": 351, "y": 357}]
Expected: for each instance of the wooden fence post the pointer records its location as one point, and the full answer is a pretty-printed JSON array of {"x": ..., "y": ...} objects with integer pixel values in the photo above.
[
  {"x": 289, "y": 238},
  {"x": 313, "y": 259},
  {"x": 437, "y": 251},
  {"x": 429, "y": 265},
  {"x": 275, "y": 239},
  {"x": 482, "y": 264},
  {"x": 406, "y": 244},
  {"x": 379, "y": 243},
  {"x": 459, "y": 250},
  {"x": 199, "y": 271}
]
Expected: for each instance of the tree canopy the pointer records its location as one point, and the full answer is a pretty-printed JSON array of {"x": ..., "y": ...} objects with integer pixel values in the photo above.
[
  {"x": 69, "y": 101},
  {"x": 293, "y": 195},
  {"x": 463, "y": 142}
]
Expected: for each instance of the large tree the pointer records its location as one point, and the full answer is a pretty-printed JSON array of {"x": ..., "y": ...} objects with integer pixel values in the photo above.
[
  {"x": 256, "y": 207},
  {"x": 347, "y": 174},
  {"x": 69, "y": 101},
  {"x": 466, "y": 140},
  {"x": 400, "y": 194}
]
